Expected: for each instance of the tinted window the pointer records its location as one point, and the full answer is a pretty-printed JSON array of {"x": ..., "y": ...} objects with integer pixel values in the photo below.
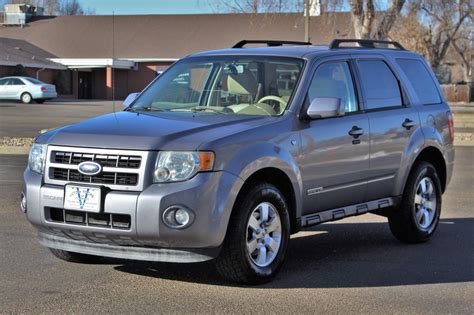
[
  {"x": 334, "y": 79},
  {"x": 421, "y": 80},
  {"x": 3, "y": 81},
  {"x": 34, "y": 81},
  {"x": 15, "y": 82},
  {"x": 380, "y": 85}
]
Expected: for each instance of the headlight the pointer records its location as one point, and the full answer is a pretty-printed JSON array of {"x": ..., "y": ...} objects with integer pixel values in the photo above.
[
  {"x": 176, "y": 166},
  {"x": 37, "y": 158}
]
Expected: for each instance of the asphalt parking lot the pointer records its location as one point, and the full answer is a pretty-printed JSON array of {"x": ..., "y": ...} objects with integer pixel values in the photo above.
[
  {"x": 350, "y": 266},
  {"x": 26, "y": 120}
]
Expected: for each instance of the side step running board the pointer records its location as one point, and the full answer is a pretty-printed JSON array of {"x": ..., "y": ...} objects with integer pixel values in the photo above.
[{"x": 344, "y": 212}]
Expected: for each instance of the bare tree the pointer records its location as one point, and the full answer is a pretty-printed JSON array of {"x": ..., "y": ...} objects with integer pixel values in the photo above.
[
  {"x": 368, "y": 23},
  {"x": 272, "y": 6},
  {"x": 57, "y": 7},
  {"x": 443, "y": 20},
  {"x": 463, "y": 45},
  {"x": 71, "y": 7},
  {"x": 257, "y": 6}
]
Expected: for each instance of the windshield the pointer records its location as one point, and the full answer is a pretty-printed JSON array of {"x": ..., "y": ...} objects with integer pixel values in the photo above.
[{"x": 247, "y": 85}]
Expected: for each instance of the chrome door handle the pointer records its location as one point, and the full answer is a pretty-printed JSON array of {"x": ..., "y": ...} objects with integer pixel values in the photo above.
[
  {"x": 356, "y": 132},
  {"x": 408, "y": 123}
]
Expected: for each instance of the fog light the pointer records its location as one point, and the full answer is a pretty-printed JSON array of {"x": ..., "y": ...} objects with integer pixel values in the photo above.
[
  {"x": 181, "y": 216},
  {"x": 178, "y": 217},
  {"x": 23, "y": 203}
]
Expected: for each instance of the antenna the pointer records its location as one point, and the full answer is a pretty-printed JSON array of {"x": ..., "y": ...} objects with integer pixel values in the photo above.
[{"x": 113, "y": 60}]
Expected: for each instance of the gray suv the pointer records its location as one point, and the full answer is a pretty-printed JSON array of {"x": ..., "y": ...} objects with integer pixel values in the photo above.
[{"x": 229, "y": 152}]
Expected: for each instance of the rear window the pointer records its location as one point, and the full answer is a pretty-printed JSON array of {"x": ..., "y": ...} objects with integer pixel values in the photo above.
[
  {"x": 421, "y": 80},
  {"x": 380, "y": 86},
  {"x": 34, "y": 81}
]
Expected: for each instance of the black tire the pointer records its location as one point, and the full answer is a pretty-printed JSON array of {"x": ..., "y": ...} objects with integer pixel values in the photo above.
[
  {"x": 234, "y": 262},
  {"x": 75, "y": 257},
  {"x": 403, "y": 221},
  {"x": 26, "y": 98}
]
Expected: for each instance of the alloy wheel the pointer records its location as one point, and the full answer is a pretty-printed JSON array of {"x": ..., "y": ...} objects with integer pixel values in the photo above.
[
  {"x": 425, "y": 203},
  {"x": 263, "y": 234}
]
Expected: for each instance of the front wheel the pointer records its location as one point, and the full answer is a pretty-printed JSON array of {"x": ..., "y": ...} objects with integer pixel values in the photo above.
[
  {"x": 418, "y": 217},
  {"x": 257, "y": 237}
]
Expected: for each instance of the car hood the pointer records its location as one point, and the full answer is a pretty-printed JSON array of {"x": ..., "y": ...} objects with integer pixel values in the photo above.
[{"x": 151, "y": 131}]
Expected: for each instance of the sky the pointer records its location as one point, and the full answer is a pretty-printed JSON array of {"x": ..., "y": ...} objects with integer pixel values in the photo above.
[
  {"x": 105, "y": 7},
  {"x": 132, "y": 7}
]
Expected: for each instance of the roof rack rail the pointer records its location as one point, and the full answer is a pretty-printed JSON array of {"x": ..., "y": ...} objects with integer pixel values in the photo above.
[
  {"x": 270, "y": 43},
  {"x": 365, "y": 43}
]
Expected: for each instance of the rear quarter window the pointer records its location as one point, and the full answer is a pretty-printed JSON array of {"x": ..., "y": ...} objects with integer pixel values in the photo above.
[{"x": 421, "y": 80}]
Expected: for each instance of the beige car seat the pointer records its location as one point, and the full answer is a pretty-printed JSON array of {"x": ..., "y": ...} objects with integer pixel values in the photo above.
[{"x": 245, "y": 84}]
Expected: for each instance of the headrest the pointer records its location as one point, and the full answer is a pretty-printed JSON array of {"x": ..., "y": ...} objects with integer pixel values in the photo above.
[{"x": 242, "y": 83}]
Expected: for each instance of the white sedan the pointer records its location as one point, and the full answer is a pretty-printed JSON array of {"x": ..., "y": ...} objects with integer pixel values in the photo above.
[{"x": 26, "y": 89}]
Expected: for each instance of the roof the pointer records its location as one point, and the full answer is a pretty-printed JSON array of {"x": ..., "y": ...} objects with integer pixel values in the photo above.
[
  {"x": 15, "y": 51},
  {"x": 285, "y": 50},
  {"x": 169, "y": 36}
]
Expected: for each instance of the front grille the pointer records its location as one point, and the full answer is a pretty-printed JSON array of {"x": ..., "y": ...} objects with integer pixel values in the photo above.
[
  {"x": 108, "y": 160},
  {"x": 121, "y": 169},
  {"x": 106, "y": 178},
  {"x": 104, "y": 220}
]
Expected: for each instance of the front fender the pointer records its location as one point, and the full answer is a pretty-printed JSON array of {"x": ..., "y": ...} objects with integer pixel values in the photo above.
[{"x": 258, "y": 156}]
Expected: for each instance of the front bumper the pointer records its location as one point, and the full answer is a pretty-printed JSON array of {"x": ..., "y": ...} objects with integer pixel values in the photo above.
[{"x": 209, "y": 195}]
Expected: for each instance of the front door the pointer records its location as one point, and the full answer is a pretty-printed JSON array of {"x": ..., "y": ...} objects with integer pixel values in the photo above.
[{"x": 335, "y": 151}]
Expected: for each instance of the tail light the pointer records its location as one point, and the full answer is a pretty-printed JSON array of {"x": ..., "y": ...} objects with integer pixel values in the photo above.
[
  {"x": 43, "y": 88},
  {"x": 451, "y": 125}
]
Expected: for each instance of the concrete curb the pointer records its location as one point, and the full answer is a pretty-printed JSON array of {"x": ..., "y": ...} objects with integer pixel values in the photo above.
[{"x": 14, "y": 150}]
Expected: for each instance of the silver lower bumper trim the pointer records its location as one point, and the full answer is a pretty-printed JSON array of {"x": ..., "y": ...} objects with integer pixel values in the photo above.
[{"x": 128, "y": 252}]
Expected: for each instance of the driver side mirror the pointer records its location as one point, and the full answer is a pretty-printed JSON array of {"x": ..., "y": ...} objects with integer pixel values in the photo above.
[
  {"x": 325, "y": 107},
  {"x": 130, "y": 98}
]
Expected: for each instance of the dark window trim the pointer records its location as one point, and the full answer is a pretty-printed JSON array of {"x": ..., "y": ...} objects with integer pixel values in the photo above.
[
  {"x": 406, "y": 102},
  {"x": 430, "y": 75}
]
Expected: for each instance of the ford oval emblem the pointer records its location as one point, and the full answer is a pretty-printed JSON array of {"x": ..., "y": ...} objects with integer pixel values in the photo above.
[{"x": 90, "y": 168}]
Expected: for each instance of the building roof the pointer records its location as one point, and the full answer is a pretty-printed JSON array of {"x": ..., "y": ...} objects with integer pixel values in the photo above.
[
  {"x": 168, "y": 36},
  {"x": 16, "y": 51}
]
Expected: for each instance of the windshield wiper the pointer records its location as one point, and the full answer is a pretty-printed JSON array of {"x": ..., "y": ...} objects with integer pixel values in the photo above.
[
  {"x": 146, "y": 109},
  {"x": 204, "y": 109}
]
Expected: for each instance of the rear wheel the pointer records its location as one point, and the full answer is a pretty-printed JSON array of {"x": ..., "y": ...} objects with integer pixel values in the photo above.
[
  {"x": 74, "y": 257},
  {"x": 26, "y": 98},
  {"x": 418, "y": 217},
  {"x": 257, "y": 237}
]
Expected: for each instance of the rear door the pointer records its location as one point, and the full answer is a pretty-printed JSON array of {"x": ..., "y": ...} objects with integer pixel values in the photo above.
[
  {"x": 335, "y": 163},
  {"x": 392, "y": 122}
]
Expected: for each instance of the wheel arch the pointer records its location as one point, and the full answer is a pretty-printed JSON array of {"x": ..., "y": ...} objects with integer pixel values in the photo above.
[
  {"x": 282, "y": 182},
  {"x": 434, "y": 156}
]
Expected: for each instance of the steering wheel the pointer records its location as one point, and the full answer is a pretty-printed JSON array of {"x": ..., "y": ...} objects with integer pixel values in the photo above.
[{"x": 278, "y": 99}]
